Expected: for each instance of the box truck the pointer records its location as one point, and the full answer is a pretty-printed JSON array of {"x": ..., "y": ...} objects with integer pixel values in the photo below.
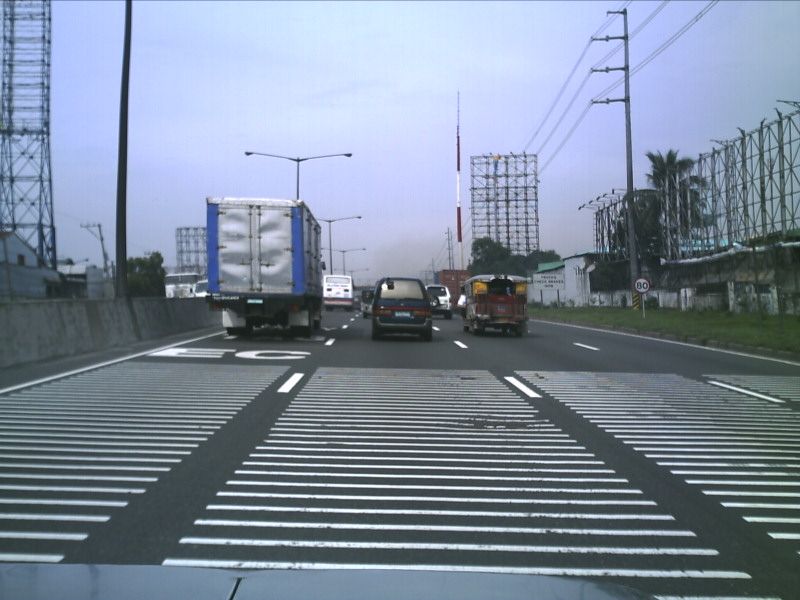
[{"x": 264, "y": 264}]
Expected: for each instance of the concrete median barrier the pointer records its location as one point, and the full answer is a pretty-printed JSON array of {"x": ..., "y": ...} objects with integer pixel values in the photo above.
[{"x": 41, "y": 330}]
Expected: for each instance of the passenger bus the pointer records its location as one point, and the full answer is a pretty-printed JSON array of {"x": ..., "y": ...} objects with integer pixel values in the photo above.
[{"x": 337, "y": 291}]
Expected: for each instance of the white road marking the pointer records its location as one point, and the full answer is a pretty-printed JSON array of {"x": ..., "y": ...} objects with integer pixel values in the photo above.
[
  {"x": 345, "y": 326},
  {"x": 425, "y": 476},
  {"x": 522, "y": 387},
  {"x": 102, "y": 364},
  {"x": 290, "y": 383},
  {"x": 352, "y": 319},
  {"x": 617, "y": 516},
  {"x": 696, "y": 346},
  {"x": 65, "y": 502},
  {"x": 585, "y": 346},
  {"x": 42, "y": 535},
  {"x": 554, "y": 571},
  {"x": 61, "y": 488},
  {"x": 461, "y": 528},
  {"x": 748, "y": 392},
  {"x": 436, "y": 328},
  {"x": 52, "y": 517},
  {"x": 761, "y": 505},
  {"x": 465, "y": 488},
  {"x": 786, "y": 520},
  {"x": 459, "y": 499},
  {"x": 330, "y": 342},
  {"x": 45, "y": 558},
  {"x": 630, "y": 551},
  {"x": 460, "y": 344},
  {"x": 785, "y": 536}
]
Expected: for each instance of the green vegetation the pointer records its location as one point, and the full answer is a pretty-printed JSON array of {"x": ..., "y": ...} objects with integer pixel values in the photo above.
[
  {"x": 146, "y": 275},
  {"x": 489, "y": 256},
  {"x": 748, "y": 330}
]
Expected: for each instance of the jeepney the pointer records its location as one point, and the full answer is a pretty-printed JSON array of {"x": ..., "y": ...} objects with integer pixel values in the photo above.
[{"x": 496, "y": 302}]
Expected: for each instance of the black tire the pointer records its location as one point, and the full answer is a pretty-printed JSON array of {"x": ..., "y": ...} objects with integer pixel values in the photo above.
[
  {"x": 466, "y": 328},
  {"x": 520, "y": 330},
  {"x": 232, "y": 330},
  {"x": 427, "y": 335}
]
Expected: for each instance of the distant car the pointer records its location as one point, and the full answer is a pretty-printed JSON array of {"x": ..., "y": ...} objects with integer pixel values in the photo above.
[
  {"x": 442, "y": 294},
  {"x": 401, "y": 305}
]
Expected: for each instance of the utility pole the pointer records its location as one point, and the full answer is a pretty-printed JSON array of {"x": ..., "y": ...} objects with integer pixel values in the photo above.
[
  {"x": 449, "y": 250},
  {"x": 433, "y": 272},
  {"x": 121, "y": 278},
  {"x": 632, "y": 252},
  {"x": 99, "y": 235}
]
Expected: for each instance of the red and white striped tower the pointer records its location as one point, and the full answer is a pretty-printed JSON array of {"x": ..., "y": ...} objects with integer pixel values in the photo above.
[{"x": 458, "y": 181}]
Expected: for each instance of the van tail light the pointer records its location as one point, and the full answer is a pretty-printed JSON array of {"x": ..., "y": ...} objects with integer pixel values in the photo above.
[
  {"x": 382, "y": 312},
  {"x": 422, "y": 313}
]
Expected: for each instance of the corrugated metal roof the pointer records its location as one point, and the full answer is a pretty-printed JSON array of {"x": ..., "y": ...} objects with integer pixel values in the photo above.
[{"x": 549, "y": 266}]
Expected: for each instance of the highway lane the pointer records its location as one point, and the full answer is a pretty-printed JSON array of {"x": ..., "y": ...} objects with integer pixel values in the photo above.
[{"x": 626, "y": 465}]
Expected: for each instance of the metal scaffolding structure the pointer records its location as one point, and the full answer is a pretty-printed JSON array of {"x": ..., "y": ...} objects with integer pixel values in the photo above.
[
  {"x": 26, "y": 196},
  {"x": 505, "y": 200},
  {"x": 745, "y": 192},
  {"x": 192, "y": 256}
]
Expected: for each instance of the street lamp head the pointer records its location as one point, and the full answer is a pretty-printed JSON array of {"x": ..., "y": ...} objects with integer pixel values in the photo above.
[
  {"x": 247, "y": 153},
  {"x": 348, "y": 154}
]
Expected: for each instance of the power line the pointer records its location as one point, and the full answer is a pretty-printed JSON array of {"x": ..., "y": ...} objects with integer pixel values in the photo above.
[
  {"x": 583, "y": 83},
  {"x": 671, "y": 40},
  {"x": 633, "y": 33},
  {"x": 602, "y": 28}
]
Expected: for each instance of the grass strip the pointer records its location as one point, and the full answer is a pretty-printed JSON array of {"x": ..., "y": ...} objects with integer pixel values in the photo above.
[{"x": 777, "y": 333}]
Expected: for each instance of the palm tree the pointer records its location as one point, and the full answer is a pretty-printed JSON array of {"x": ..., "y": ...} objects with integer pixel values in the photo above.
[{"x": 678, "y": 207}]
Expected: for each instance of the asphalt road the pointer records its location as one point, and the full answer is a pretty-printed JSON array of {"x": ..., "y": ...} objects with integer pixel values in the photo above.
[{"x": 667, "y": 467}]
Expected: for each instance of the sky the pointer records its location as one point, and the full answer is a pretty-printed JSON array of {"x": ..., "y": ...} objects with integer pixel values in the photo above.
[{"x": 380, "y": 80}]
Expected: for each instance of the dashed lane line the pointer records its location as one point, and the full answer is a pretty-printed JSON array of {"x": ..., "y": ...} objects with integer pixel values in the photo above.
[
  {"x": 460, "y": 344},
  {"x": 586, "y": 346},
  {"x": 330, "y": 342}
]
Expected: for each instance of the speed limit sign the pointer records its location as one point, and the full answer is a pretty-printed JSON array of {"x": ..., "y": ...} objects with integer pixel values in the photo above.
[{"x": 642, "y": 285}]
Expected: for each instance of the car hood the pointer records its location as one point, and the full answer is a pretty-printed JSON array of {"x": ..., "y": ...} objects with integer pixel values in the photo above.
[{"x": 133, "y": 582}]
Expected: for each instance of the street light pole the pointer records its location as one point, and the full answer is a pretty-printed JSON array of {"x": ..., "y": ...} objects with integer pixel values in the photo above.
[
  {"x": 330, "y": 241},
  {"x": 344, "y": 266},
  {"x": 297, "y": 161}
]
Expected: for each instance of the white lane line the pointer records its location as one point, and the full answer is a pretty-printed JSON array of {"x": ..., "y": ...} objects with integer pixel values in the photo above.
[
  {"x": 446, "y": 513},
  {"x": 785, "y": 536},
  {"x": 65, "y": 502},
  {"x": 785, "y": 520},
  {"x": 290, "y": 383},
  {"x": 747, "y": 392},
  {"x": 15, "y": 557},
  {"x": 465, "y": 488},
  {"x": 229, "y": 337},
  {"x": 352, "y": 319},
  {"x": 330, "y": 342},
  {"x": 777, "y": 505},
  {"x": 522, "y": 387},
  {"x": 653, "y": 339},
  {"x": 436, "y": 328},
  {"x": 345, "y": 326},
  {"x": 555, "y": 571},
  {"x": 52, "y": 517},
  {"x": 437, "y": 476},
  {"x": 98, "y": 365},
  {"x": 460, "y": 344},
  {"x": 630, "y": 551},
  {"x": 462, "y": 528},
  {"x": 585, "y": 346},
  {"x": 42, "y": 535},
  {"x": 460, "y": 499},
  {"x": 62, "y": 488}
]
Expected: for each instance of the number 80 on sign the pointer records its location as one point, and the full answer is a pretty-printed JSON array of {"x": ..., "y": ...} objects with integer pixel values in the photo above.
[{"x": 642, "y": 285}]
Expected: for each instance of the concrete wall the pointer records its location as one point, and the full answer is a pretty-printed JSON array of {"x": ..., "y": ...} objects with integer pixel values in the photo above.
[{"x": 40, "y": 330}]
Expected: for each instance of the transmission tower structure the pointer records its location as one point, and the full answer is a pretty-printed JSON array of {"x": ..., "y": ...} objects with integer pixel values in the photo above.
[
  {"x": 26, "y": 191},
  {"x": 192, "y": 256},
  {"x": 505, "y": 200}
]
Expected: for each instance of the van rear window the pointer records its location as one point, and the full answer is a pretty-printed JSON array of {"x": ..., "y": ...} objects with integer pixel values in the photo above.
[{"x": 410, "y": 290}]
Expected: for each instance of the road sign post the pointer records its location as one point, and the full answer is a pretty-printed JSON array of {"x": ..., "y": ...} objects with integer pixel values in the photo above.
[{"x": 642, "y": 286}]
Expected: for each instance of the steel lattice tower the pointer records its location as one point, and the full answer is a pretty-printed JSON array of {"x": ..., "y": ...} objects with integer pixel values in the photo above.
[
  {"x": 191, "y": 252},
  {"x": 26, "y": 194},
  {"x": 505, "y": 200}
]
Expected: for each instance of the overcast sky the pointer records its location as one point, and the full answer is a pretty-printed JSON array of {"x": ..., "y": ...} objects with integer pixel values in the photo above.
[{"x": 211, "y": 80}]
